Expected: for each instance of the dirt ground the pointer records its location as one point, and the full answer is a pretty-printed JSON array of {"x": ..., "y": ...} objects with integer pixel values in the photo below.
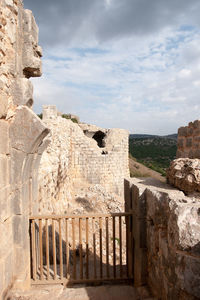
[{"x": 103, "y": 292}]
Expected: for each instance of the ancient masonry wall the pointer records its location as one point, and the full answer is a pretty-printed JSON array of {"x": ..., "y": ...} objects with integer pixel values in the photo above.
[
  {"x": 22, "y": 134},
  {"x": 184, "y": 172},
  {"x": 166, "y": 231},
  {"x": 73, "y": 158},
  {"x": 189, "y": 141}
]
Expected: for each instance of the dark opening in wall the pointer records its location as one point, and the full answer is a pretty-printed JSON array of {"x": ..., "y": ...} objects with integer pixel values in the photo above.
[{"x": 99, "y": 137}]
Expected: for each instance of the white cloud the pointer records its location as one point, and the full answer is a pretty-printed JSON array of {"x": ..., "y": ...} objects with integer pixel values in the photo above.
[{"x": 143, "y": 78}]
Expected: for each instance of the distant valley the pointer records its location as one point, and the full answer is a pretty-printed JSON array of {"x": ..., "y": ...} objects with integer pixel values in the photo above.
[{"x": 155, "y": 152}]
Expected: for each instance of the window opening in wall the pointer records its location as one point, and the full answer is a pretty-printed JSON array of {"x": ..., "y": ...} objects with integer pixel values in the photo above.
[{"x": 99, "y": 137}]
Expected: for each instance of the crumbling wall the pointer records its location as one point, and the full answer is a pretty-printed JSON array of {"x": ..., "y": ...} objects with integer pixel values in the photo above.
[
  {"x": 184, "y": 172},
  {"x": 22, "y": 134},
  {"x": 73, "y": 159},
  {"x": 166, "y": 230},
  {"x": 188, "y": 145}
]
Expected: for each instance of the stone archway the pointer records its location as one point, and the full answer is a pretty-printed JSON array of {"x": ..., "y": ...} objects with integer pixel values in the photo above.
[{"x": 27, "y": 133}]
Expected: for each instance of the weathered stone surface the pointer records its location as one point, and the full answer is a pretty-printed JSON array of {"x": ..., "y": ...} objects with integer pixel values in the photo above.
[
  {"x": 184, "y": 173},
  {"x": 4, "y": 140},
  {"x": 74, "y": 161},
  {"x": 31, "y": 53},
  {"x": 4, "y": 171},
  {"x": 26, "y": 130},
  {"x": 5, "y": 211},
  {"x": 21, "y": 135},
  {"x": 22, "y": 92},
  {"x": 188, "y": 144},
  {"x": 4, "y": 105},
  {"x": 172, "y": 240}
]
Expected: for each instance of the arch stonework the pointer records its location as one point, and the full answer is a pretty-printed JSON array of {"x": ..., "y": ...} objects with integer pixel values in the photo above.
[{"x": 21, "y": 144}]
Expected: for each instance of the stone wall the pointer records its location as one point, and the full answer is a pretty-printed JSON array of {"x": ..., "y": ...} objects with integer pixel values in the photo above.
[
  {"x": 184, "y": 172},
  {"x": 22, "y": 133},
  {"x": 74, "y": 161},
  {"x": 189, "y": 141},
  {"x": 166, "y": 230}
]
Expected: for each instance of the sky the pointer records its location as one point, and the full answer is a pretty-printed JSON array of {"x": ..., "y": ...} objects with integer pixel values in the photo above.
[{"x": 132, "y": 64}]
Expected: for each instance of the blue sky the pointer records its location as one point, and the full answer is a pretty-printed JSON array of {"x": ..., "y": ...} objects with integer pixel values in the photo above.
[{"x": 132, "y": 64}]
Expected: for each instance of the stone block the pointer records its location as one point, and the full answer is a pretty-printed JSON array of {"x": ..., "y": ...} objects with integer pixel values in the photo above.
[
  {"x": 17, "y": 230},
  {"x": 190, "y": 131},
  {"x": 157, "y": 207},
  {"x": 26, "y": 196},
  {"x": 26, "y": 131},
  {"x": 17, "y": 162},
  {"x": 4, "y": 171},
  {"x": 5, "y": 212},
  {"x": 22, "y": 90},
  {"x": 4, "y": 141},
  {"x": 179, "y": 153},
  {"x": 196, "y": 153},
  {"x": 196, "y": 124},
  {"x": 8, "y": 270},
  {"x": 11, "y": 30},
  {"x": 21, "y": 257},
  {"x": 16, "y": 202},
  {"x": 182, "y": 131},
  {"x": 4, "y": 104},
  {"x": 6, "y": 237},
  {"x": 31, "y": 54},
  {"x": 2, "y": 277},
  {"x": 188, "y": 272},
  {"x": 197, "y": 139},
  {"x": 9, "y": 3},
  {"x": 49, "y": 112},
  {"x": 180, "y": 143},
  {"x": 30, "y": 27},
  {"x": 189, "y": 142}
]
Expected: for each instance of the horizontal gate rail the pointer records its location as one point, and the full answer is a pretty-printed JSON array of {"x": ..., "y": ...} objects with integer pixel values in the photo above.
[
  {"x": 57, "y": 217},
  {"x": 81, "y": 248}
]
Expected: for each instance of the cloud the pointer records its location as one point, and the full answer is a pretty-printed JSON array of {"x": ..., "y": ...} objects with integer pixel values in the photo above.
[
  {"x": 132, "y": 64},
  {"x": 69, "y": 22}
]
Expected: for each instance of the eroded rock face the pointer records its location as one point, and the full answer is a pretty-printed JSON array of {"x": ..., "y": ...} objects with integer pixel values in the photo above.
[
  {"x": 184, "y": 173},
  {"x": 22, "y": 134}
]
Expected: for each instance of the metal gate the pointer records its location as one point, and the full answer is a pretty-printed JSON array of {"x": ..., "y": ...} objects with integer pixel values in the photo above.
[{"x": 81, "y": 248}]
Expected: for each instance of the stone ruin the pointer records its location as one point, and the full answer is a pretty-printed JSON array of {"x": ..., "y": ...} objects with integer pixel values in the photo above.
[
  {"x": 21, "y": 143},
  {"x": 166, "y": 223},
  {"x": 184, "y": 172},
  {"x": 82, "y": 162},
  {"x": 166, "y": 230}
]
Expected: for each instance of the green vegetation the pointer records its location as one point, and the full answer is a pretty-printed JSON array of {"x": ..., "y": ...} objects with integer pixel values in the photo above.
[
  {"x": 116, "y": 239},
  {"x": 154, "y": 152},
  {"x": 65, "y": 116},
  {"x": 68, "y": 116},
  {"x": 39, "y": 115}
]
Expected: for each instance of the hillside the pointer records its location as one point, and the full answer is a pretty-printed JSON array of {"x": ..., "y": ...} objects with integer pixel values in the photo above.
[
  {"x": 155, "y": 152},
  {"x": 139, "y": 170}
]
